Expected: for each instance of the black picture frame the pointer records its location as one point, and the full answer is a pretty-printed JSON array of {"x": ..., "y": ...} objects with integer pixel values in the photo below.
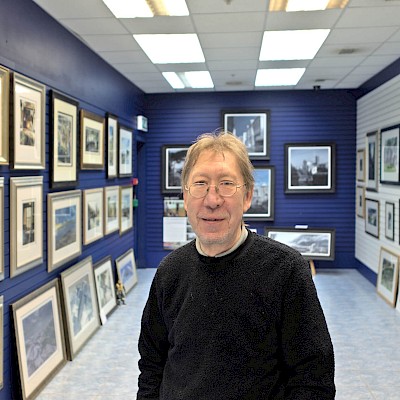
[
  {"x": 372, "y": 217},
  {"x": 389, "y": 220},
  {"x": 173, "y": 157},
  {"x": 372, "y": 148},
  {"x": 125, "y": 151},
  {"x": 112, "y": 126},
  {"x": 390, "y": 155}
]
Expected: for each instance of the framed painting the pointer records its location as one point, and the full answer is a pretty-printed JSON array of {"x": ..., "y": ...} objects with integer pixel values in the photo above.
[
  {"x": 26, "y": 223},
  {"x": 360, "y": 199},
  {"x": 389, "y": 159},
  {"x": 361, "y": 165},
  {"x": 64, "y": 227},
  {"x": 93, "y": 213},
  {"x": 125, "y": 148},
  {"x": 1, "y": 228},
  {"x": 105, "y": 288},
  {"x": 39, "y": 335},
  {"x": 126, "y": 211},
  {"x": 92, "y": 140},
  {"x": 112, "y": 146},
  {"x": 262, "y": 203},
  {"x": 372, "y": 161},
  {"x": 388, "y": 276},
  {"x": 27, "y": 134},
  {"x": 252, "y": 128},
  {"x": 111, "y": 209},
  {"x": 173, "y": 158},
  {"x": 312, "y": 243},
  {"x": 1, "y": 340},
  {"x": 4, "y": 115},
  {"x": 389, "y": 220},
  {"x": 310, "y": 168},
  {"x": 372, "y": 217},
  {"x": 126, "y": 270},
  {"x": 63, "y": 138},
  {"x": 80, "y": 305}
]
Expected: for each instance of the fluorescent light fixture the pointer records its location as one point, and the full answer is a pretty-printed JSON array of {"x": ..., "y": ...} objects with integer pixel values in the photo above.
[
  {"x": 292, "y": 45},
  {"x": 190, "y": 79},
  {"x": 129, "y": 9},
  {"x": 171, "y": 48},
  {"x": 279, "y": 77},
  {"x": 306, "y": 5},
  {"x": 175, "y": 7}
]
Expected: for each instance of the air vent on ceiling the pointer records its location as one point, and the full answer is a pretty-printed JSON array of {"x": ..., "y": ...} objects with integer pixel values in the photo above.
[
  {"x": 234, "y": 83},
  {"x": 347, "y": 51}
]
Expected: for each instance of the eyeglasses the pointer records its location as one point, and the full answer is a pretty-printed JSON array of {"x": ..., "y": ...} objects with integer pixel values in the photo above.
[{"x": 199, "y": 190}]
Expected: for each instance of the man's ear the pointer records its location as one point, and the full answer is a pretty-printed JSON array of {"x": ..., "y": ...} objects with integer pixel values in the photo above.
[{"x": 247, "y": 200}]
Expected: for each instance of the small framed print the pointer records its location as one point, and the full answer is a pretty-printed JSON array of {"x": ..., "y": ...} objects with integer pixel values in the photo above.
[
  {"x": 112, "y": 146},
  {"x": 361, "y": 165},
  {"x": 390, "y": 164},
  {"x": 252, "y": 128},
  {"x": 64, "y": 227},
  {"x": 388, "y": 276},
  {"x": 126, "y": 270},
  {"x": 26, "y": 223},
  {"x": 92, "y": 140},
  {"x": 1, "y": 228},
  {"x": 372, "y": 217},
  {"x": 28, "y": 123},
  {"x": 4, "y": 115},
  {"x": 126, "y": 212},
  {"x": 111, "y": 209},
  {"x": 125, "y": 146},
  {"x": 173, "y": 158},
  {"x": 64, "y": 128},
  {"x": 93, "y": 212},
  {"x": 360, "y": 198},
  {"x": 389, "y": 220},
  {"x": 372, "y": 161}
]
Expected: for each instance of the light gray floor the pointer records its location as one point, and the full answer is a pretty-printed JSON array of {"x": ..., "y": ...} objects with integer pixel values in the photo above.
[{"x": 365, "y": 333}]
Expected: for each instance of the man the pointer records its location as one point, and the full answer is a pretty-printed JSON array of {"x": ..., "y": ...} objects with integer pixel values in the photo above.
[{"x": 231, "y": 315}]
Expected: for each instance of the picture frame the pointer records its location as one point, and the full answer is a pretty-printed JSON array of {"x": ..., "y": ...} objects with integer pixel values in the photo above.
[
  {"x": 360, "y": 201},
  {"x": 126, "y": 270},
  {"x": 92, "y": 141},
  {"x": 40, "y": 338},
  {"x": 310, "y": 167},
  {"x": 311, "y": 243},
  {"x": 389, "y": 155},
  {"x": 93, "y": 215},
  {"x": 173, "y": 157},
  {"x": 262, "y": 203},
  {"x": 125, "y": 209},
  {"x": 80, "y": 305},
  {"x": 111, "y": 209},
  {"x": 112, "y": 146},
  {"x": 361, "y": 165},
  {"x": 125, "y": 149},
  {"x": 26, "y": 223},
  {"x": 372, "y": 154},
  {"x": 4, "y": 115},
  {"x": 372, "y": 217},
  {"x": 63, "y": 138},
  {"x": 389, "y": 220},
  {"x": 1, "y": 341},
  {"x": 64, "y": 227},
  {"x": 27, "y": 127},
  {"x": 105, "y": 288},
  {"x": 1, "y": 228},
  {"x": 252, "y": 127},
  {"x": 388, "y": 276}
]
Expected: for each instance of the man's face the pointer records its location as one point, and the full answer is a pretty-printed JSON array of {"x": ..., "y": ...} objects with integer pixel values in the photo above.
[{"x": 217, "y": 220}]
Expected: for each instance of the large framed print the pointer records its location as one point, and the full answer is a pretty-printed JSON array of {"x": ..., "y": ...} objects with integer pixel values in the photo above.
[
  {"x": 27, "y": 134},
  {"x": 126, "y": 270},
  {"x": 360, "y": 199},
  {"x": 389, "y": 220},
  {"x": 361, "y": 165},
  {"x": 125, "y": 148},
  {"x": 389, "y": 158},
  {"x": 1, "y": 340},
  {"x": 80, "y": 305},
  {"x": 252, "y": 128},
  {"x": 4, "y": 115},
  {"x": 388, "y": 276},
  {"x": 26, "y": 223},
  {"x": 93, "y": 213},
  {"x": 63, "y": 138},
  {"x": 372, "y": 161},
  {"x": 310, "y": 168},
  {"x": 262, "y": 203},
  {"x": 39, "y": 335},
  {"x": 126, "y": 211},
  {"x": 105, "y": 288},
  {"x": 92, "y": 140},
  {"x": 312, "y": 243},
  {"x": 1, "y": 228},
  {"x": 173, "y": 157},
  {"x": 372, "y": 217},
  {"x": 111, "y": 209},
  {"x": 64, "y": 227},
  {"x": 112, "y": 146}
]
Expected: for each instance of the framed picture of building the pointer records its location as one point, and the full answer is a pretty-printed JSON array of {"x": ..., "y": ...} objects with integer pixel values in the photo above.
[
  {"x": 372, "y": 154},
  {"x": 125, "y": 209},
  {"x": 126, "y": 270},
  {"x": 173, "y": 158},
  {"x": 125, "y": 149},
  {"x": 112, "y": 146},
  {"x": 372, "y": 217},
  {"x": 390, "y": 160},
  {"x": 388, "y": 276},
  {"x": 4, "y": 115},
  {"x": 93, "y": 215}
]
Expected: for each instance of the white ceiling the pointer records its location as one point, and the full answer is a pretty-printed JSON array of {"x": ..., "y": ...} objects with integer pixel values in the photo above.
[{"x": 366, "y": 32}]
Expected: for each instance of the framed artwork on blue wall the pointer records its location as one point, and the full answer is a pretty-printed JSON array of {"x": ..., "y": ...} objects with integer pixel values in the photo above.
[
  {"x": 125, "y": 209},
  {"x": 112, "y": 146},
  {"x": 173, "y": 157},
  {"x": 390, "y": 160},
  {"x": 93, "y": 215},
  {"x": 111, "y": 209},
  {"x": 126, "y": 270},
  {"x": 1, "y": 228},
  {"x": 4, "y": 114},
  {"x": 125, "y": 149},
  {"x": 1, "y": 340},
  {"x": 372, "y": 148}
]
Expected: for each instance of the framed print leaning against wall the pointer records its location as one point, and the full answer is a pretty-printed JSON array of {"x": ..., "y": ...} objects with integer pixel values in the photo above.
[
  {"x": 388, "y": 276},
  {"x": 173, "y": 157},
  {"x": 390, "y": 160},
  {"x": 4, "y": 114},
  {"x": 93, "y": 213},
  {"x": 126, "y": 270},
  {"x": 112, "y": 146},
  {"x": 372, "y": 161},
  {"x": 1, "y": 228},
  {"x": 125, "y": 148},
  {"x": 111, "y": 209}
]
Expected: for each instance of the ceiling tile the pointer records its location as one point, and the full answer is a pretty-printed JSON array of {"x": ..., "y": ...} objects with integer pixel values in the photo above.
[
  {"x": 369, "y": 17},
  {"x": 75, "y": 8},
  {"x": 95, "y": 26},
  {"x": 158, "y": 25},
  {"x": 111, "y": 42},
  {"x": 231, "y": 39}
]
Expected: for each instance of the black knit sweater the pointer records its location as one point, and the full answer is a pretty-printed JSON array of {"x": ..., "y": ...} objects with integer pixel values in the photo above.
[{"x": 244, "y": 326}]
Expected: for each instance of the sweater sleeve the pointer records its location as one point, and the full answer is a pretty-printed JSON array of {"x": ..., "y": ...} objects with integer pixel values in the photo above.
[
  {"x": 153, "y": 346},
  {"x": 306, "y": 343}
]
